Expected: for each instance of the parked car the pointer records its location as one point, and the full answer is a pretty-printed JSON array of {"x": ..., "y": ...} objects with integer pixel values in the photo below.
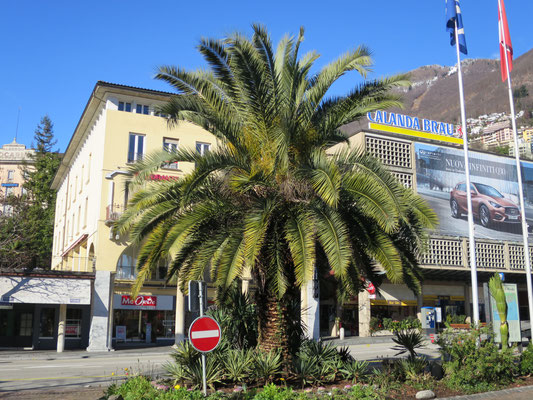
[{"x": 488, "y": 205}]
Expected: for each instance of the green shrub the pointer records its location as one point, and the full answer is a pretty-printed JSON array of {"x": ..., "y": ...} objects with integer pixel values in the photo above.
[
  {"x": 405, "y": 324},
  {"x": 455, "y": 319},
  {"x": 473, "y": 362},
  {"x": 136, "y": 388},
  {"x": 237, "y": 317},
  {"x": 375, "y": 325},
  {"x": 526, "y": 360}
]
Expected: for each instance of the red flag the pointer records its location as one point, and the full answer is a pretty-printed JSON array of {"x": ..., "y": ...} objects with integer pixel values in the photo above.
[{"x": 506, "y": 48}]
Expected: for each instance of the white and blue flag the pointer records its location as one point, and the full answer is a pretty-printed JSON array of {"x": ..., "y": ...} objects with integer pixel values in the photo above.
[{"x": 453, "y": 13}]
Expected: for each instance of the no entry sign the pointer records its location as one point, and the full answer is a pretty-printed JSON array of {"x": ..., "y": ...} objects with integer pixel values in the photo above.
[{"x": 204, "y": 334}]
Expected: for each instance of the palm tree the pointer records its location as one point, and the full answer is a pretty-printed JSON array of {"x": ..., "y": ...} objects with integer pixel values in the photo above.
[{"x": 269, "y": 200}]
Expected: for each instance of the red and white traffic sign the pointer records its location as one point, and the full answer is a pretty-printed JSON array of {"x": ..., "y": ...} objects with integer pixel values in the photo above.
[{"x": 204, "y": 334}]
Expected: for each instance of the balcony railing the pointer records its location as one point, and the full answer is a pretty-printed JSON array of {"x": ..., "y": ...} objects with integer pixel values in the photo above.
[
  {"x": 128, "y": 272},
  {"x": 114, "y": 211}
]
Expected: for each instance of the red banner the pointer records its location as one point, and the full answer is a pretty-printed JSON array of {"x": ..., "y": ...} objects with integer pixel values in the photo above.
[{"x": 142, "y": 301}]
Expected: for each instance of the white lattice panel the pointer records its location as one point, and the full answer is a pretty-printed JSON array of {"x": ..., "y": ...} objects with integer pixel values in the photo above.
[{"x": 389, "y": 152}]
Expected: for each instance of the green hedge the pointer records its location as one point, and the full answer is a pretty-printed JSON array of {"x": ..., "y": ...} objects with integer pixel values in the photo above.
[{"x": 140, "y": 388}]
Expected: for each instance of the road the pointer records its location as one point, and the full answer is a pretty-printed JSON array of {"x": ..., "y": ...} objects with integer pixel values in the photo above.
[
  {"x": 376, "y": 351},
  {"x": 85, "y": 369}
]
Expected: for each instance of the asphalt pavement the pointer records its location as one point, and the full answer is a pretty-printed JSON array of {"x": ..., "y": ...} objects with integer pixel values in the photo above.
[{"x": 49, "y": 369}]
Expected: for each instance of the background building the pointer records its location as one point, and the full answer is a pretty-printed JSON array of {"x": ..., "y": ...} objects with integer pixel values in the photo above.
[
  {"x": 13, "y": 158},
  {"x": 433, "y": 168}
]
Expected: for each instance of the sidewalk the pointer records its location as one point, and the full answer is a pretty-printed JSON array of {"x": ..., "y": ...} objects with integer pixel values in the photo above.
[
  {"x": 518, "y": 393},
  {"x": 19, "y": 354}
]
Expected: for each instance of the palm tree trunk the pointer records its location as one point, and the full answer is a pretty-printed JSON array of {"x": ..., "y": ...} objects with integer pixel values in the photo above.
[{"x": 273, "y": 333}]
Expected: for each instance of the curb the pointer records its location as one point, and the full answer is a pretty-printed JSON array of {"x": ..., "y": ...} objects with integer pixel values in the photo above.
[{"x": 489, "y": 395}]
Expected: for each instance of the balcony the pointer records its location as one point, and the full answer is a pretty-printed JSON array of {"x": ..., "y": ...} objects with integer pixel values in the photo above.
[
  {"x": 113, "y": 213},
  {"x": 126, "y": 272}
]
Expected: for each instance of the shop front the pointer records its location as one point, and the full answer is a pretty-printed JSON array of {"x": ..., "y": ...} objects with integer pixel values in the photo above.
[
  {"x": 396, "y": 302},
  {"x": 30, "y": 307},
  {"x": 146, "y": 319}
]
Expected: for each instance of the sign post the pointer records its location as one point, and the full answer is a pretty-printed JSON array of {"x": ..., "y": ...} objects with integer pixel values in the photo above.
[{"x": 204, "y": 334}]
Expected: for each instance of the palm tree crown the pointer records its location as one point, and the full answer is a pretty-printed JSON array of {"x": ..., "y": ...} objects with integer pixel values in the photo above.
[{"x": 269, "y": 199}]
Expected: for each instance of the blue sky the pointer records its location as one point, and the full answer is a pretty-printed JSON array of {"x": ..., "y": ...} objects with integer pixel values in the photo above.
[{"x": 53, "y": 52}]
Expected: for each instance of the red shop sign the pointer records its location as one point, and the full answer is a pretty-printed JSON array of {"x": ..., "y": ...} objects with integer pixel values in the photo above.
[
  {"x": 371, "y": 288},
  {"x": 158, "y": 177},
  {"x": 144, "y": 301}
]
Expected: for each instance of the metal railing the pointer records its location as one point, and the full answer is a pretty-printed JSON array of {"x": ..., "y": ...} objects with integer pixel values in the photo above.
[{"x": 114, "y": 211}]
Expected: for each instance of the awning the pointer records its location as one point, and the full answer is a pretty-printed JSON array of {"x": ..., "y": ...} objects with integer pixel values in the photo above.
[
  {"x": 81, "y": 239},
  {"x": 36, "y": 290}
]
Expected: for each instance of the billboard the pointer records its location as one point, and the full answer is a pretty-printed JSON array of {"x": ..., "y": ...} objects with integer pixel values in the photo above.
[{"x": 440, "y": 177}]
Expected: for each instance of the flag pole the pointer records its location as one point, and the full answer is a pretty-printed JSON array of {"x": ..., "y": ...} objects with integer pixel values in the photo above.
[
  {"x": 471, "y": 242},
  {"x": 518, "y": 169}
]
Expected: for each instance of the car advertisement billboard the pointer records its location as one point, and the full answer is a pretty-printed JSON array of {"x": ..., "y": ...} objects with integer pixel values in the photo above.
[{"x": 440, "y": 177}]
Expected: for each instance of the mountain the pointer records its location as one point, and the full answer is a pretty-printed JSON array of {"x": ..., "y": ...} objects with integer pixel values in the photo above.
[{"x": 434, "y": 91}]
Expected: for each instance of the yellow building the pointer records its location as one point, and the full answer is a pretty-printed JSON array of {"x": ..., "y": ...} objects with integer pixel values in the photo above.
[
  {"x": 120, "y": 125},
  {"x": 13, "y": 157}
]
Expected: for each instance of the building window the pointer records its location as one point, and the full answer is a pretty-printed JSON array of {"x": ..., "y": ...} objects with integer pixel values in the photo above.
[
  {"x": 142, "y": 109},
  {"x": 135, "y": 148},
  {"x": 10, "y": 175},
  {"x": 122, "y": 106},
  {"x": 162, "y": 269},
  {"x": 82, "y": 175},
  {"x": 78, "y": 220},
  {"x": 89, "y": 168},
  {"x": 85, "y": 212},
  {"x": 202, "y": 148},
  {"x": 160, "y": 114},
  {"x": 126, "y": 266},
  {"x": 9, "y": 191},
  {"x": 25, "y": 327},
  {"x": 73, "y": 325},
  {"x": 48, "y": 317},
  {"x": 171, "y": 145}
]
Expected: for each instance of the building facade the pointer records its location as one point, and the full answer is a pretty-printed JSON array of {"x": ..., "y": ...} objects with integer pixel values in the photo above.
[
  {"x": 426, "y": 163},
  {"x": 119, "y": 126},
  {"x": 14, "y": 157}
]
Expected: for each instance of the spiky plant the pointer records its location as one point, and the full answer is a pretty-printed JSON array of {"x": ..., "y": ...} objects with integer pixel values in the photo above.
[
  {"x": 497, "y": 292},
  {"x": 408, "y": 342},
  {"x": 268, "y": 199}
]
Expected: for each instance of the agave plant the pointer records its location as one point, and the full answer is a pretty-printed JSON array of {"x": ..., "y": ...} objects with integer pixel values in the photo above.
[
  {"x": 356, "y": 371},
  {"x": 344, "y": 354},
  {"x": 321, "y": 351},
  {"x": 175, "y": 371},
  {"x": 305, "y": 369},
  {"x": 193, "y": 373},
  {"x": 408, "y": 342},
  {"x": 237, "y": 365},
  {"x": 496, "y": 290},
  {"x": 266, "y": 365},
  {"x": 184, "y": 354}
]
